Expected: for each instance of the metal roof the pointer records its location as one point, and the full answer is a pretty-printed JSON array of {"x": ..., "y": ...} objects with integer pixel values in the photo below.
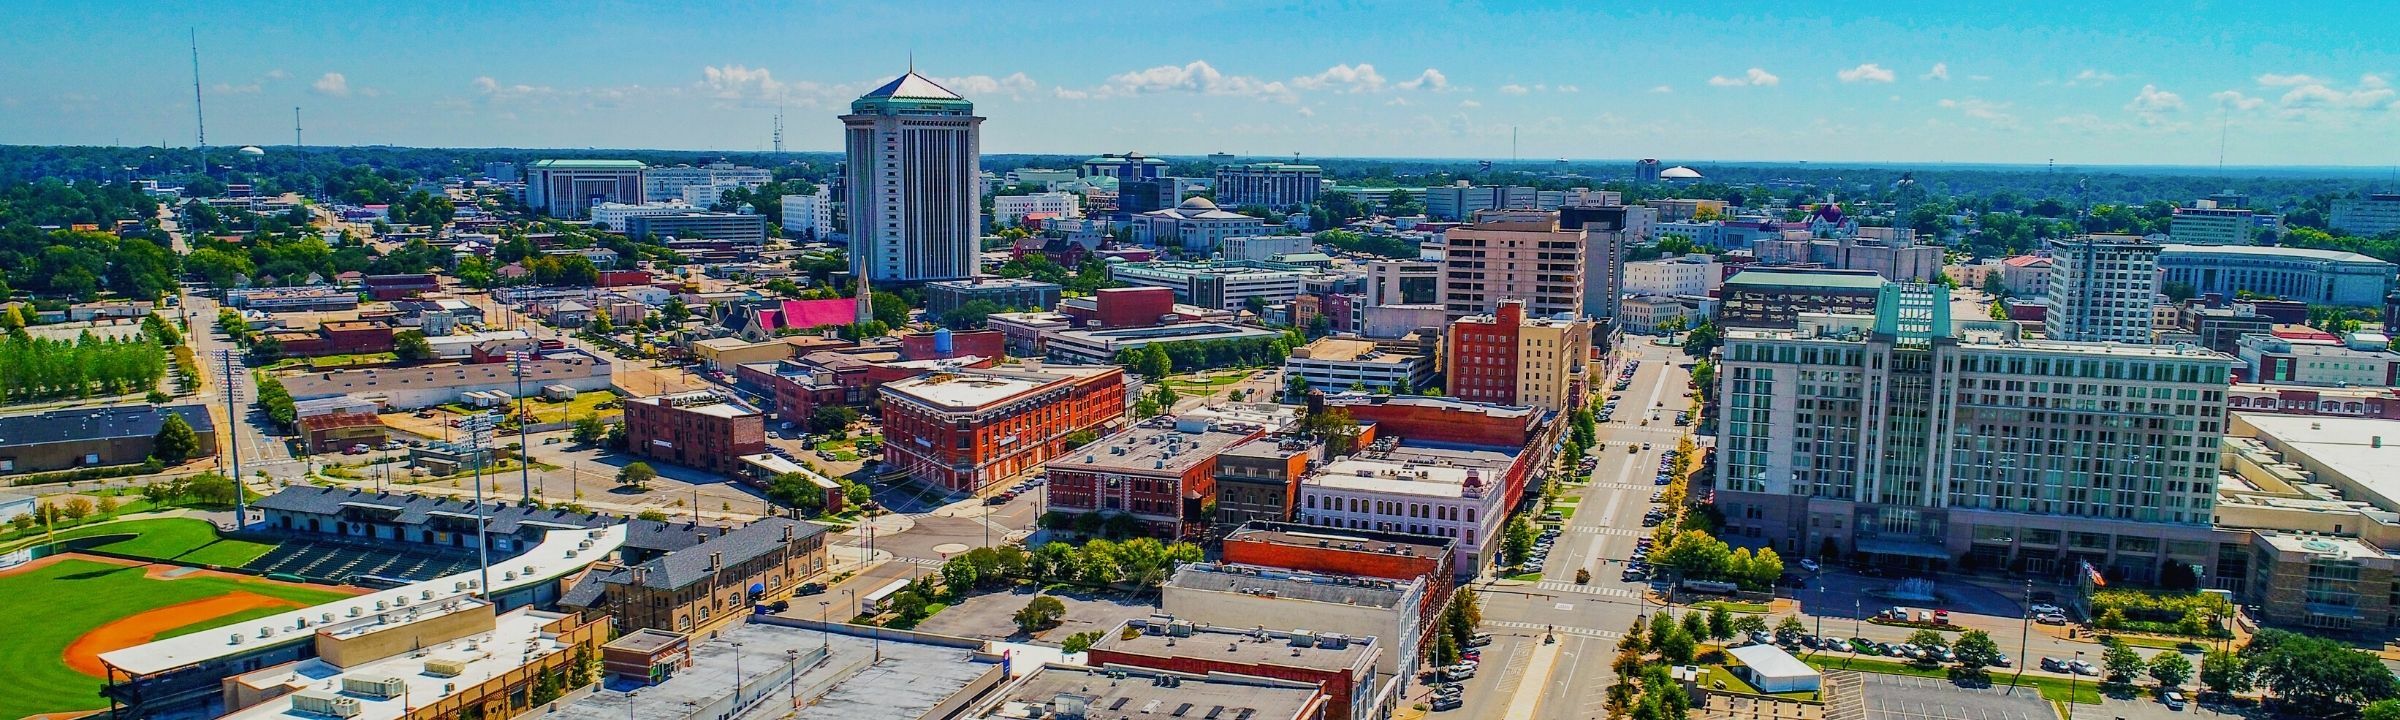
[
  {"x": 106, "y": 423},
  {"x": 912, "y": 87}
]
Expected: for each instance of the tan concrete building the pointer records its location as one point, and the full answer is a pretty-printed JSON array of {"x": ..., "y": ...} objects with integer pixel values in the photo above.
[{"x": 1513, "y": 254}]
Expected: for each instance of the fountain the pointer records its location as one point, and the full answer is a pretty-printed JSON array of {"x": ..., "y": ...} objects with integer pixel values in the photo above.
[{"x": 1910, "y": 590}]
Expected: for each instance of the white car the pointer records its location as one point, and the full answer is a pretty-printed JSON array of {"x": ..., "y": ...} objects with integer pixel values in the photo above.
[
  {"x": 2046, "y": 609},
  {"x": 1809, "y": 565}
]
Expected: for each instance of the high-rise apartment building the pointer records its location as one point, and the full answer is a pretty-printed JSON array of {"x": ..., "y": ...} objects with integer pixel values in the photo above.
[
  {"x": 1273, "y": 184},
  {"x": 1514, "y": 254},
  {"x": 1510, "y": 358},
  {"x": 2369, "y": 216},
  {"x": 2207, "y": 224},
  {"x": 1907, "y": 437},
  {"x": 1403, "y": 282},
  {"x": 568, "y": 189},
  {"x": 2101, "y": 289},
  {"x": 915, "y": 204}
]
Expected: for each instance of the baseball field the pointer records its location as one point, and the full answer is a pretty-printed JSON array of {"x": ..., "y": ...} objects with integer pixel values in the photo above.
[{"x": 65, "y": 610}]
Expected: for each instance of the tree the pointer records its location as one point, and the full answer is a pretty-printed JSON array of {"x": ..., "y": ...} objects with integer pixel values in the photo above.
[
  {"x": 108, "y": 504},
  {"x": 796, "y": 491},
  {"x": 588, "y": 430},
  {"x": 1695, "y": 624},
  {"x": 411, "y": 346},
  {"x": 1976, "y": 650},
  {"x": 1679, "y": 646},
  {"x": 1079, "y": 642},
  {"x": 890, "y": 308},
  {"x": 2170, "y": 669},
  {"x": 1720, "y": 623},
  {"x": 2313, "y": 671},
  {"x": 1518, "y": 542},
  {"x": 1928, "y": 638},
  {"x": 2121, "y": 663},
  {"x": 1995, "y": 285},
  {"x": 76, "y": 509},
  {"x": 2225, "y": 672},
  {"x": 1747, "y": 624},
  {"x": 652, "y": 515},
  {"x": 830, "y": 419},
  {"x": 854, "y": 494},
  {"x": 2386, "y": 709},
  {"x": 1295, "y": 385},
  {"x": 1790, "y": 625},
  {"x": 638, "y": 475},
  {"x": 175, "y": 441}
]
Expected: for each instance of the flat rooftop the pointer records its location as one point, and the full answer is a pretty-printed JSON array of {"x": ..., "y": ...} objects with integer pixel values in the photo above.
[
  {"x": 1346, "y": 350},
  {"x": 516, "y": 640},
  {"x": 2348, "y": 453},
  {"x": 2273, "y": 252},
  {"x": 1770, "y": 278},
  {"x": 1163, "y": 636},
  {"x": 1154, "y": 448},
  {"x": 561, "y": 552},
  {"x": 1423, "y": 470},
  {"x": 1388, "y": 543},
  {"x": 1178, "y": 332},
  {"x": 849, "y": 684},
  {"x": 1140, "y": 694},
  {"x": 1294, "y": 585},
  {"x": 967, "y": 391}
]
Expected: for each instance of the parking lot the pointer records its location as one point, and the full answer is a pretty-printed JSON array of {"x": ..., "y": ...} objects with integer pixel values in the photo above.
[{"x": 1901, "y": 697}]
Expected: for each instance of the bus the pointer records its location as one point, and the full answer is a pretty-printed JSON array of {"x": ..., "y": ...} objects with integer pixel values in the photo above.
[{"x": 876, "y": 600}]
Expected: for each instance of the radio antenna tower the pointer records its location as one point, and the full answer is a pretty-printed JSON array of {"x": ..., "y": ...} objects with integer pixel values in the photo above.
[
  {"x": 779, "y": 132},
  {"x": 199, "y": 113},
  {"x": 296, "y": 128}
]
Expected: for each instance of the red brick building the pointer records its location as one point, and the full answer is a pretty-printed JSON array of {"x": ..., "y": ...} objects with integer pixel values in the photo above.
[
  {"x": 832, "y": 377},
  {"x": 1523, "y": 432},
  {"x": 348, "y": 337},
  {"x": 335, "y": 432},
  {"x": 700, "y": 429},
  {"x": 1483, "y": 356},
  {"x": 970, "y": 430},
  {"x": 987, "y": 344},
  {"x": 1358, "y": 553},
  {"x": 1123, "y": 307},
  {"x": 1343, "y": 668},
  {"x": 394, "y": 287},
  {"x": 1160, "y": 472}
]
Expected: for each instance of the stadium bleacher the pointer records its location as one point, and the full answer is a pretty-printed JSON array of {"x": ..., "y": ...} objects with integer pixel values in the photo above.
[{"x": 337, "y": 562}]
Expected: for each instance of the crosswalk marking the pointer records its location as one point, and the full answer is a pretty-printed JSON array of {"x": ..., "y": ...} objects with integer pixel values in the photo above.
[
  {"x": 1560, "y": 629},
  {"x": 1561, "y": 586},
  {"x": 1617, "y": 531}
]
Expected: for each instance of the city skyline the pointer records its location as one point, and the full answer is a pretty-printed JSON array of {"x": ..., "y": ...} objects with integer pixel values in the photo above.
[{"x": 1707, "y": 82}]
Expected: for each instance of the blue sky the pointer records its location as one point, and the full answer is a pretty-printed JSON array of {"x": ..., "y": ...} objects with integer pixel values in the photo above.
[{"x": 2083, "y": 82}]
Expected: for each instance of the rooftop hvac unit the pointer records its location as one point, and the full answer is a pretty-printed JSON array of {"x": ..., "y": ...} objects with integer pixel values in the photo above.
[
  {"x": 385, "y": 687},
  {"x": 319, "y": 702},
  {"x": 445, "y": 666}
]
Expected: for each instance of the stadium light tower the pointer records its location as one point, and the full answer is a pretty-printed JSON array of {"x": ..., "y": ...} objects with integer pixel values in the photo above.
[{"x": 479, "y": 431}]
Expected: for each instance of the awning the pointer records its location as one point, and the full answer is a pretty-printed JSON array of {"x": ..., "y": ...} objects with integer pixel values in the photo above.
[{"x": 1905, "y": 548}]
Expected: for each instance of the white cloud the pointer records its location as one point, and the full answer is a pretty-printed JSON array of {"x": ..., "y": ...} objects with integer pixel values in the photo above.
[
  {"x": 1755, "y": 76},
  {"x": 1513, "y": 89},
  {"x": 1869, "y": 72},
  {"x": 2279, "y": 80},
  {"x": 2372, "y": 80},
  {"x": 1663, "y": 89},
  {"x": 2235, "y": 100},
  {"x": 1995, "y": 113},
  {"x": 1431, "y": 79},
  {"x": 332, "y": 84},
  {"x": 1014, "y": 85},
  {"x": 2091, "y": 77},
  {"x": 1305, "y": 111},
  {"x": 1569, "y": 89},
  {"x": 1343, "y": 78},
  {"x": 1940, "y": 71},
  {"x": 1469, "y": 104},
  {"x": 1066, "y": 94},
  {"x": 1194, "y": 77},
  {"x": 277, "y": 74},
  {"x": 2152, "y": 104},
  {"x": 2320, "y": 96},
  {"x": 1979, "y": 78},
  {"x": 244, "y": 89}
]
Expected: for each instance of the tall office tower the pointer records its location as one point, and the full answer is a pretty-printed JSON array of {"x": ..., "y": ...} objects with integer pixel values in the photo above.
[
  {"x": 1906, "y": 437},
  {"x": 2101, "y": 289},
  {"x": 1519, "y": 254},
  {"x": 915, "y": 209},
  {"x": 1646, "y": 170},
  {"x": 568, "y": 189}
]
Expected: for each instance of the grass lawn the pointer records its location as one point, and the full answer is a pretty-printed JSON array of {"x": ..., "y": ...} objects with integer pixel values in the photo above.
[
  {"x": 330, "y": 362},
  {"x": 1731, "y": 606},
  {"x": 2149, "y": 641},
  {"x": 545, "y": 411},
  {"x": 181, "y": 540},
  {"x": 1204, "y": 382},
  {"x": 842, "y": 450},
  {"x": 72, "y": 597},
  {"x": 2052, "y": 689},
  {"x": 1535, "y": 576}
]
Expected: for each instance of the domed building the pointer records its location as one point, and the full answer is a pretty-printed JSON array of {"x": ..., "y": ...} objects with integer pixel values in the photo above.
[
  {"x": 1679, "y": 173},
  {"x": 1196, "y": 226},
  {"x": 250, "y": 151}
]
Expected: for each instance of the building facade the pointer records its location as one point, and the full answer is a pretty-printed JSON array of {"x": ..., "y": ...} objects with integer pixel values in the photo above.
[
  {"x": 1336, "y": 364},
  {"x": 700, "y": 429},
  {"x": 1508, "y": 358},
  {"x": 1403, "y": 282},
  {"x": 1008, "y": 293},
  {"x": 569, "y": 188},
  {"x": 1272, "y": 184},
  {"x": 668, "y": 183},
  {"x": 2315, "y": 277},
  {"x": 2102, "y": 288},
  {"x": 2369, "y": 216},
  {"x": 1688, "y": 275},
  {"x": 1158, "y": 472},
  {"x": 711, "y": 583},
  {"x": 1196, "y": 225},
  {"x": 967, "y": 431},
  {"x": 2208, "y": 224},
  {"x": 1216, "y": 284},
  {"x": 1265, "y": 248},
  {"x": 1258, "y": 480},
  {"x": 736, "y": 228},
  {"x": 915, "y": 203},
  {"x": 1520, "y": 254},
  {"x": 1012, "y": 209},
  {"x": 1908, "y": 438}
]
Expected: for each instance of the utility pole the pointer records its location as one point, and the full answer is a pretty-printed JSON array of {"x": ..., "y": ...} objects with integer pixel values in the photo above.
[
  {"x": 479, "y": 427},
  {"x": 233, "y": 444},
  {"x": 516, "y": 358}
]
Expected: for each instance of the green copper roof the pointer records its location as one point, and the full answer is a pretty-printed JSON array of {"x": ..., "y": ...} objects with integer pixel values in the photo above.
[
  {"x": 588, "y": 164},
  {"x": 1796, "y": 279},
  {"x": 911, "y": 92}
]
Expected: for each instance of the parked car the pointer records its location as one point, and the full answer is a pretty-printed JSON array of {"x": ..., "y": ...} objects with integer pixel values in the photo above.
[
  {"x": 2054, "y": 664},
  {"x": 2173, "y": 699},
  {"x": 2046, "y": 609},
  {"x": 1809, "y": 565},
  {"x": 2080, "y": 667},
  {"x": 1446, "y": 702},
  {"x": 2051, "y": 619},
  {"x": 1479, "y": 639}
]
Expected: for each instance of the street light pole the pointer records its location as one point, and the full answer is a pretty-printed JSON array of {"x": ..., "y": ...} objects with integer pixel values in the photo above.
[
  {"x": 2025, "y": 627},
  {"x": 2074, "y": 678},
  {"x": 524, "y": 428}
]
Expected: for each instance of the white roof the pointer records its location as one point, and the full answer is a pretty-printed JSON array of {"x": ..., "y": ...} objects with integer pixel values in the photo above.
[
  {"x": 1771, "y": 661},
  {"x": 561, "y": 552},
  {"x": 515, "y": 640}
]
